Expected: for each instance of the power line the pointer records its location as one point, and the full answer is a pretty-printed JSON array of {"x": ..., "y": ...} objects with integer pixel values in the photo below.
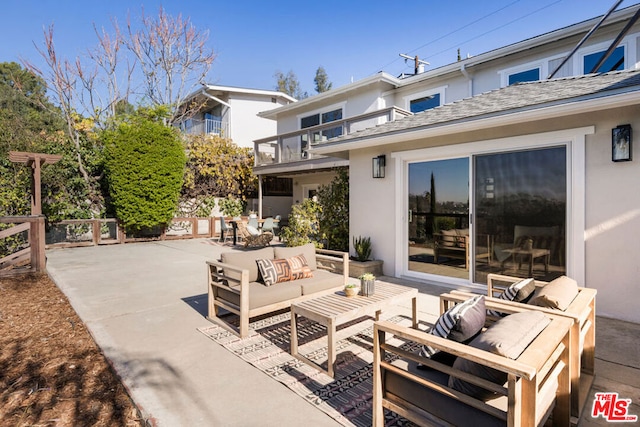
[
  {"x": 481, "y": 35},
  {"x": 497, "y": 28},
  {"x": 457, "y": 30},
  {"x": 465, "y": 26}
]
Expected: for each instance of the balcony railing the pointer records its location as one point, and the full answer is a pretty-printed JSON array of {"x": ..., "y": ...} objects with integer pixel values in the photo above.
[
  {"x": 205, "y": 127},
  {"x": 292, "y": 146}
]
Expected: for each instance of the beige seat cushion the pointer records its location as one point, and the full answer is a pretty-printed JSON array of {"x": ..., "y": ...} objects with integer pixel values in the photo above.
[
  {"x": 261, "y": 295},
  {"x": 558, "y": 294},
  {"x": 508, "y": 337},
  {"x": 321, "y": 280}
]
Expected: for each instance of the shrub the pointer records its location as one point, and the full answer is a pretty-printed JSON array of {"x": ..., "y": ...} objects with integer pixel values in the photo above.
[
  {"x": 231, "y": 206},
  {"x": 144, "y": 161},
  {"x": 334, "y": 217},
  {"x": 303, "y": 225}
]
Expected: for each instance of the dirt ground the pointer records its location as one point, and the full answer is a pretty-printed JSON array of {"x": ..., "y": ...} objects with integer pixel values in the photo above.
[{"x": 52, "y": 373}]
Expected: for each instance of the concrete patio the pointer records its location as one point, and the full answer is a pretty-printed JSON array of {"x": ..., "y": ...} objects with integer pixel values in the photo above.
[{"x": 143, "y": 302}]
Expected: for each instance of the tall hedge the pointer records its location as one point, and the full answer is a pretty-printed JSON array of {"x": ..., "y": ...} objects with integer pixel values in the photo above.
[{"x": 144, "y": 162}]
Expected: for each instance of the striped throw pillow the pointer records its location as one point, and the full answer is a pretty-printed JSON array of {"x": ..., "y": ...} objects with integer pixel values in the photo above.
[
  {"x": 450, "y": 319},
  {"x": 518, "y": 291}
]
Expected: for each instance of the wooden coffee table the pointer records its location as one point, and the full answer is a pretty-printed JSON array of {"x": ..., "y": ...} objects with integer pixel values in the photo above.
[{"x": 336, "y": 309}]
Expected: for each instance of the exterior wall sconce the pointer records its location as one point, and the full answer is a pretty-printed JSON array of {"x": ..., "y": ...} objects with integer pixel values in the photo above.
[
  {"x": 621, "y": 143},
  {"x": 378, "y": 166}
]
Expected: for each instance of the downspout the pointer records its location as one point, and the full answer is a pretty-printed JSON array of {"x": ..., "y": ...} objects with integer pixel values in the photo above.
[{"x": 463, "y": 70}]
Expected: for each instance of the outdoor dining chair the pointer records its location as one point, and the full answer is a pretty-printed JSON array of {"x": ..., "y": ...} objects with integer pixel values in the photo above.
[{"x": 225, "y": 231}]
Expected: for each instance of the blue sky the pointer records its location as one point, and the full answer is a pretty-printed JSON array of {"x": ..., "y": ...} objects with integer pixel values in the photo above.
[{"x": 350, "y": 39}]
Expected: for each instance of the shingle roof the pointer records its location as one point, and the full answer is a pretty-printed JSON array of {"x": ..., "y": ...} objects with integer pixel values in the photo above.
[{"x": 509, "y": 99}]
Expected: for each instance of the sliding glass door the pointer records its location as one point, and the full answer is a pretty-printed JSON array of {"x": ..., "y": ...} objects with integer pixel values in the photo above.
[
  {"x": 439, "y": 217},
  {"x": 518, "y": 215}
]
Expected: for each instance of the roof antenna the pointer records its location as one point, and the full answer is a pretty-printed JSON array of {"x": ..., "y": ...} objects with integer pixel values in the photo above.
[{"x": 419, "y": 64}]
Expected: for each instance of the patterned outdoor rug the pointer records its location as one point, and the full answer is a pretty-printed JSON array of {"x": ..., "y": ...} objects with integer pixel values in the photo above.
[{"x": 347, "y": 398}]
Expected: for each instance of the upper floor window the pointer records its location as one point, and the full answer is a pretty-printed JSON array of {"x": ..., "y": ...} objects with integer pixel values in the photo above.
[
  {"x": 615, "y": 62},
  {"x": 530, "y": 75},
  {"x": 321, "y": 118},
  {"x": 424, "y": 103}
]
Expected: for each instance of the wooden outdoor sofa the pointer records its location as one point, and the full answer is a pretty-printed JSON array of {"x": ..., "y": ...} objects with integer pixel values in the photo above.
[
  {"x": 528, "y": 389},
  {"x": 236, "y": 285},
  {"x": 581, "y": 311}
]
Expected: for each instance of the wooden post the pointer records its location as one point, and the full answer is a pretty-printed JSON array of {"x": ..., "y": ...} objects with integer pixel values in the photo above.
[
  {"x": 95, "y": 231},
  {"x": 35, "y": 161},
  {"x": 37, "y": 243}
]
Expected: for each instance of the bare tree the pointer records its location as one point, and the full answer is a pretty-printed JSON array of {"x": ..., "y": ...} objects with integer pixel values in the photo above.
[
  {"x": 63, "y": 79},
  {"x": 157, "y": 63},
  {"x": 173, "y": 57}
]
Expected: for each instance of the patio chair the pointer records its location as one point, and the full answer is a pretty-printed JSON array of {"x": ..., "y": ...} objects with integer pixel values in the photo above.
[
  {"x": 225, "y": 231},
  {"x": 250, "y": 239},
  {"x": 580, "y": 308},
  {"x": 268, "y": 225},
  {"x": 253, "y": 222}
]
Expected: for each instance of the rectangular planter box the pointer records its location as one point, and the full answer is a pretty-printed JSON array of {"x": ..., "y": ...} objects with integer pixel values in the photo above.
[{"x": 357, "y": 268}]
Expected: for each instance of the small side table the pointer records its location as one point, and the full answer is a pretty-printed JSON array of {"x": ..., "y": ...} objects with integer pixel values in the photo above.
[{"x": 531, "y": 254}]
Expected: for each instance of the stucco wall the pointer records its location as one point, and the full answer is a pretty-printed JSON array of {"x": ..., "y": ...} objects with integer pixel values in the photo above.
[
  {"x": 303, "y": 181},
  {"x": 371, "y": 206},
  {"x": 612, "y": 205},
  {"x": 612, "y": 231},
  {"x": 245, "y": 125}
]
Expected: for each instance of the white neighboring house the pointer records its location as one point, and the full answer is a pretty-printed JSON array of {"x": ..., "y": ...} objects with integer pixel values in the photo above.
[
  {"x": 510, "y": 162},
  {"x": 232, "y": 112}
]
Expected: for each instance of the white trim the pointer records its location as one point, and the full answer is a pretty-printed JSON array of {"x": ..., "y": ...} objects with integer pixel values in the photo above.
[
  {"x": 626, "y": 43},
  {"x": 573, "y": 139},
  {"x": 319, "y": 111},
  {"x": 406, "y": 100},
  {"x": 542, "y": 66},
  {"x": 306, "y": 188}
]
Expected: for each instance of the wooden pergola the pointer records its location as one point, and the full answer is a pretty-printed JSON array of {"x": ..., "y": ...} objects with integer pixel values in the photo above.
[
  {"x": 34, "y": 223},
  {"x": 35, "y": 161}
]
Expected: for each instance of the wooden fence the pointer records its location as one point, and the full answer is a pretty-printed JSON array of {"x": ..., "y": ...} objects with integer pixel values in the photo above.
[
  {"x": 27, "y": 238},
  {"x": 29, "y": 254},
  {"x": 92, "y": 232}
]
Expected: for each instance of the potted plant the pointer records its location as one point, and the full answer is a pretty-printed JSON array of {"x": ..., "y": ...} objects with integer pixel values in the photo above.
[
  {"x": 367, "y": 284},
  {"x": 361, "y": 263},
  {"x": 351, "y": 289}
]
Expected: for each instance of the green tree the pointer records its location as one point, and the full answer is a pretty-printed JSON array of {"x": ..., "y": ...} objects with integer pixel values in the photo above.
[
  {"x": 333, "y": 220},
  {"x": 289, "y": 84},
  {"x": 322, "y": 80},
  {"x": 30, "y": 122},
  {"x": 145, "y": 163}
]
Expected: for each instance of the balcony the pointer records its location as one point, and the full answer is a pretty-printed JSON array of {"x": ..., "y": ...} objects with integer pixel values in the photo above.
[
  {"x": 293, "y": 146},
  {"x": 204, "y": 127}
]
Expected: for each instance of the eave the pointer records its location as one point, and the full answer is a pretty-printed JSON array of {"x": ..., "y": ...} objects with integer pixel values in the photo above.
[{"x": 510, "y": 117}]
